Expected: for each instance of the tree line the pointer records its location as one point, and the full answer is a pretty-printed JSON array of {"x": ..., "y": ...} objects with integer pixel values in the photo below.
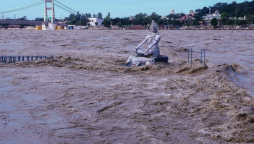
[
  {"x": 139, "y": 19},
  {"x": 228, "y": 10},
  {"x": 232, "y": 10}
]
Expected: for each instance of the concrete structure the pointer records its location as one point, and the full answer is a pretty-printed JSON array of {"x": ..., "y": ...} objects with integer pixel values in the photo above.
[
  {"x": 44, "y": 27},
  {"x": 209, "y": 17},
  {"x": 172, "y": 11},
  {"x": 46, "y": 11},
  {"x": 73, "y": 27},
  {"x": 52, "y": 25},
  {"x": 94, "y": 20}
]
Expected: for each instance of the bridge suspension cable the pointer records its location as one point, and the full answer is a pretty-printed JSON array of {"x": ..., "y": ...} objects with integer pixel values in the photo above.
[
  {"x": 63, "y": 8},
  {"x": 62, "y": 5},
  {"x": 29, "y": 6}
]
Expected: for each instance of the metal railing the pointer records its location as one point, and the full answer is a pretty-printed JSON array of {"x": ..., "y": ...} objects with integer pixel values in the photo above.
[{"x": 14, "y": 59}]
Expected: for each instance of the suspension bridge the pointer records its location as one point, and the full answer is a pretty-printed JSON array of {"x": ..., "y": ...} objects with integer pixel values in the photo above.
[{"x": 8, "y": 21}]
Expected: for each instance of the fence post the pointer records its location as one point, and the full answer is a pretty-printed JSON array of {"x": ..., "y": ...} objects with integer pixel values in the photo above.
[
  {"x": 10, "y": 59},
  {"x": 191, "y": 56},
  {"x": 204, "y": 58},
  {"x": 188, "y": 55},
  {"x": 201, "y": 56},
  {"x": 27, "y": 58},
  {"x": 32, "y": 58}
]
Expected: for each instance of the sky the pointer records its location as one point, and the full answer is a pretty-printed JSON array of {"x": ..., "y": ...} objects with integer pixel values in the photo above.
[{"x": 117, "y": 8}]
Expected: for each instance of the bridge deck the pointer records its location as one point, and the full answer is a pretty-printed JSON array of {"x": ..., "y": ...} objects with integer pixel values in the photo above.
[{"x": 18, "y": 22}]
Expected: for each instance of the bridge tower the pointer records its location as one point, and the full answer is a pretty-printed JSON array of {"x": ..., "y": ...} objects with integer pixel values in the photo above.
[{"x": 49, "y": 8}]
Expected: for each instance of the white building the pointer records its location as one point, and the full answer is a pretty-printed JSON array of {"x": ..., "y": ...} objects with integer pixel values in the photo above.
[
  {"x": 209, "y": 17},
  {"x": 94, "y": 20},
  {"x": 172, "y": 11},
  {"x": 132, "y": 18}
]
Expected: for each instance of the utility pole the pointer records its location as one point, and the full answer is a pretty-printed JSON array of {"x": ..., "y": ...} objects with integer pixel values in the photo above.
[{"x": 235, "y": 18}]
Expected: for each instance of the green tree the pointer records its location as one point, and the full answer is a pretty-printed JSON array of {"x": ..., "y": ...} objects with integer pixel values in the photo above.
[
  {"x": 230, "y": 22},
  {"x": 224, "y": 17},
  {"x": 176, "y": 22},
  {"x": 84, "y": 21},
  {"x": 78, "y": 23},
  {"x": 160, "y": 22},
  {"x": 106, "y": 23},
  {"x": 145, "y": 23},
  {"x": 88, "y": 15},
  {"x": 214, "y": 22},
  {"x": 78, "y": 16},
  {"x": 39, "y": 19},
  {"x": 119, "y": 24},
  {"x": 108, "y": 16},
  {"x": 23, "y": 18},
  {"x": 196, "y": 23},
  {"x": 99, "y": 15},
  {"x": 242, "y": 22},
  {"x": 96, "y": 23}
]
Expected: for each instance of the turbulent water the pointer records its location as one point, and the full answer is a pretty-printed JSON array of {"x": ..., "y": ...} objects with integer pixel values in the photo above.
[{"x": 84, "y": 95}]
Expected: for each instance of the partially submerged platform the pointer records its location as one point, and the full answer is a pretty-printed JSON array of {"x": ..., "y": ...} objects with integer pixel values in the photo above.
[{"x": 140, "y": 60}]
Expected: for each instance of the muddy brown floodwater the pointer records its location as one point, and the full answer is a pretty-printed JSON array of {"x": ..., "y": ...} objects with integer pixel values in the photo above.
[{"x": 85, "y": 95}]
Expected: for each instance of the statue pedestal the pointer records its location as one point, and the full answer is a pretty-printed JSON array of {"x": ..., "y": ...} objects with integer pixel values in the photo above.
[{"x": 140, "y": 60}]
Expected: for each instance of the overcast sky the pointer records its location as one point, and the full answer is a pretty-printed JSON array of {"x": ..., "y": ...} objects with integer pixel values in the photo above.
[{"x": 117, "y": 8}]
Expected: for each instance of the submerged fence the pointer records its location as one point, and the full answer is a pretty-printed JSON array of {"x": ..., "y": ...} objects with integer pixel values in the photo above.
[
  {"x": 201, "y": 58},
  {"x": 14, "y": 59}
]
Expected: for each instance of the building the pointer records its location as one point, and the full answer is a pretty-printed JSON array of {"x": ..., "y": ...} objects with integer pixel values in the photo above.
[
  {"x": 188, "y": 18},
  {"x": 210, "y": 16},
  {"x": 172, "y": 11},
  {"x": 94, "y": 20},
  {"x": 239, "y": 18},
  {"x": 132, "y": 18},
  {"x": 192, "y": 12},
  {"x": 74, "y": 27},
  {"x": 164, "y": 17}
]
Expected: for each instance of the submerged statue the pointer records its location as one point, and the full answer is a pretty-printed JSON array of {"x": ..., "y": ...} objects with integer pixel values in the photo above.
[
  {"x": 150, "y": 55},
  {"x": 153, "y": 43}
]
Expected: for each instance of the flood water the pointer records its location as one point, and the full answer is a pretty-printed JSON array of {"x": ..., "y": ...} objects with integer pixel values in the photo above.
[
  {"x": 86, "y": 97},
  {"x": 225, "y": 47}
]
